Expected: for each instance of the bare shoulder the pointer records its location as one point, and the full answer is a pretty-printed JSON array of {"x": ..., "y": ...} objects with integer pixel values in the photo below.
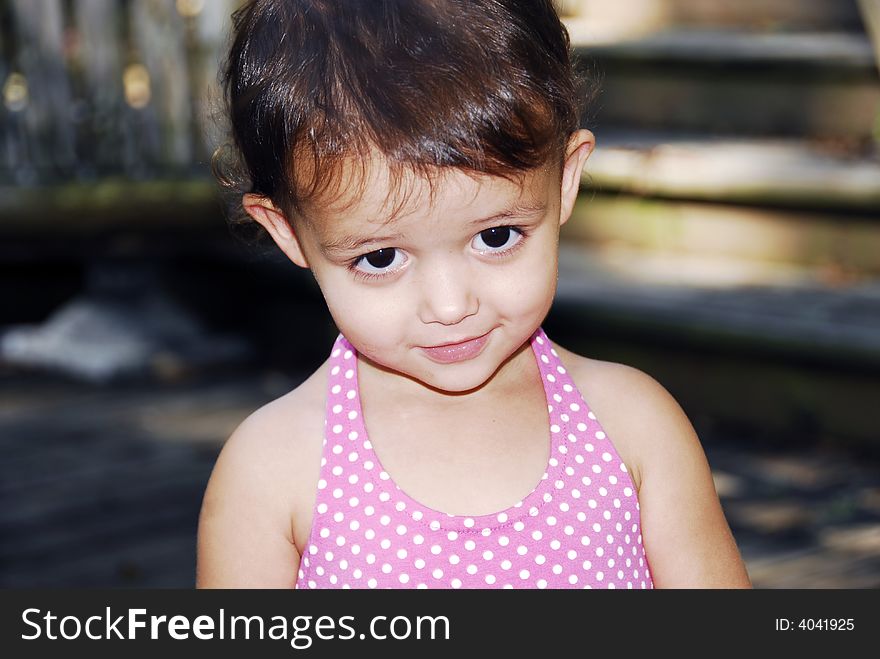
[
  {"x": 686, "y": 536},
  {"x": 626, "y": 402},
  {"x": 257, "y": 505}
]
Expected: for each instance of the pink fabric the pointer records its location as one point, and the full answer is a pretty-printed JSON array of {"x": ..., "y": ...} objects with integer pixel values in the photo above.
[{"x": 579, "y": 527}]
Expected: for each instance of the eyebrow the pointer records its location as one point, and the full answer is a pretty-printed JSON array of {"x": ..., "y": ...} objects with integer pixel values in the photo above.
[{"x": 351, "y": 243}]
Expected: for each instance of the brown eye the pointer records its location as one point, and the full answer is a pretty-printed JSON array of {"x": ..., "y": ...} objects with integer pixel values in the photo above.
[
  {"x": 497, "y": 239},
  {"x": 381, "y": 258},
  {"x": 379, "y": 263}
]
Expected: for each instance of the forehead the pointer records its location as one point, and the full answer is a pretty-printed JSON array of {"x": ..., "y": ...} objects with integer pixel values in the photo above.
[{"x": 370, "y": 193}]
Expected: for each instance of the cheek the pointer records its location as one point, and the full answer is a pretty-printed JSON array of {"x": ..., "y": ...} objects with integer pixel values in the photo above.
[
  {"x": 361, "y": 314},
  {"x": 526, "y": 289}
]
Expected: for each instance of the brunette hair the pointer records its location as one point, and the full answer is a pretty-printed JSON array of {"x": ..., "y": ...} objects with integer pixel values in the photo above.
[{"x": 486, "y": 86}]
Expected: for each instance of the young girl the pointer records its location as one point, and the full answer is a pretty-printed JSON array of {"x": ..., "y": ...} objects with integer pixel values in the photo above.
[{"x": 419, "y": 157}]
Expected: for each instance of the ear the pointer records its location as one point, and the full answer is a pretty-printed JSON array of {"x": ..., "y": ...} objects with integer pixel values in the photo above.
[
  {"x": 580, "y": 146},
  {"x": 262, "y": 210}
]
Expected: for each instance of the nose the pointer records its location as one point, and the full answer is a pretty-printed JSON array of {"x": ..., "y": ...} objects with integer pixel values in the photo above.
[{"x": 448, "y": 295}]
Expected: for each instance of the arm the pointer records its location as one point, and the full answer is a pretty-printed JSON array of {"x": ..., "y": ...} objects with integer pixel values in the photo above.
[
  {"x": 686, "y": 537},
  {"x": 245, "y": 535}
]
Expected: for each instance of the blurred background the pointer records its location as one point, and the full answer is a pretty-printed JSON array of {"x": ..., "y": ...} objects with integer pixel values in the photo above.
[{"x": 726, "y": 241}]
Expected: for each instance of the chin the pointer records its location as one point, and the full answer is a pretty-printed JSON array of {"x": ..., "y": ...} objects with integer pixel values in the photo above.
[{"x": 458, "y": 378}]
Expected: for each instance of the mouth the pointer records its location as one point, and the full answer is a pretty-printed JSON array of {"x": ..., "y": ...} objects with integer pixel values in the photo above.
[{"x": 457, "y": 351}]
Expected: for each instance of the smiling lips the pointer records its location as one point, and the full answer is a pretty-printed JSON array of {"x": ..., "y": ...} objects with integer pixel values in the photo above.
[{"x": 457, "y": 352}]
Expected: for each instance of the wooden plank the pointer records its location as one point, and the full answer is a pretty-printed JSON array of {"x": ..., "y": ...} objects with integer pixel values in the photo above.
[
  {"x": 101, "y": 58},
  {"x": 158, "y": 34},
  {"x": 50, "y": 133}
]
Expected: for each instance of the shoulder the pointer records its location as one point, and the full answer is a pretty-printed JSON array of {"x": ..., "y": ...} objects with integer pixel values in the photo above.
[
  {"x": 261, "y": 489},
  {"x": 686, "y": 536},
  {"x": 638, "y": 413}
]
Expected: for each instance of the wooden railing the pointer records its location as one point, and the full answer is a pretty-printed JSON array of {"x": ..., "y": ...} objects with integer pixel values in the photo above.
[{"x": 102, "y": 88}]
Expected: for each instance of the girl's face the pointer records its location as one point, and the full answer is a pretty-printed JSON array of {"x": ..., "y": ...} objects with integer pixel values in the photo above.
[{"x": 476, "y": 263}]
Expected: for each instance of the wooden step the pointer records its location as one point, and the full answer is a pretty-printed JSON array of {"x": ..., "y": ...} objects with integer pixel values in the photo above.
[
  {"x": 780, "y": 173},
  {"x": 640, "y": 16},
  {"x": 816, "y": 84},
  {"x": 837, "y": 247},
  {"x": 778, "y": 354},
  {"x": 788, "y": 202}
]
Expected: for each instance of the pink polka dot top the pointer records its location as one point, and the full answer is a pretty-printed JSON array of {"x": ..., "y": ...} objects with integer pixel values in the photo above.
[{"x": 578, "y": 528}]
